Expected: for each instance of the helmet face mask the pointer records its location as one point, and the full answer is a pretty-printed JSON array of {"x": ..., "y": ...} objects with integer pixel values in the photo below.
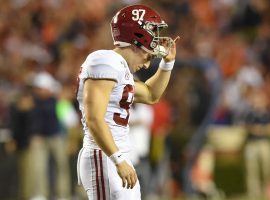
[{"x": 140, "y": 25}]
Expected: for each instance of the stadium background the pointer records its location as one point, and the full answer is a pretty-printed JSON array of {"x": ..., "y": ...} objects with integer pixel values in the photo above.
[{"x": 223, "y": 61}]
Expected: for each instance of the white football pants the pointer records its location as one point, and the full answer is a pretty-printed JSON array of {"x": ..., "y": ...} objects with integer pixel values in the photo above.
[{"x": 99, "y": 177}]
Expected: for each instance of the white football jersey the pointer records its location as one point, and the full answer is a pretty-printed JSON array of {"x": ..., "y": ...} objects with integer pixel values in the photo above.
[{"x": 107, "y": 64}]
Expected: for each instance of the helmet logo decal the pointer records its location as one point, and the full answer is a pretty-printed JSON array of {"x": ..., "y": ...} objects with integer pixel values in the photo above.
[
  {"x": 138, "y": 14},
  {"x": 153, "y": 44}
]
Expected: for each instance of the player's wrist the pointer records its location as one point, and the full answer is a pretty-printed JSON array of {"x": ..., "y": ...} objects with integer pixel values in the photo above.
[
  {"x": 117, "y": 157},
  {"x": 166, "y": 66}
]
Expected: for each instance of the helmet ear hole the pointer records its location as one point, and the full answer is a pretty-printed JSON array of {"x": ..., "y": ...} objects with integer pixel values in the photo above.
[{"x": 139, "y": 35}]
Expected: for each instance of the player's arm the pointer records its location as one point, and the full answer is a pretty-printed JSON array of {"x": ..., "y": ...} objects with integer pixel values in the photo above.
[
  {"x": 95, "y": 99},
  {"x": 151, "y": 91}
]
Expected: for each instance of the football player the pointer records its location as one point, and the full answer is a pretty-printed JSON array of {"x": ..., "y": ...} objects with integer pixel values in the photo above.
[{"x": 105, "y": 94}]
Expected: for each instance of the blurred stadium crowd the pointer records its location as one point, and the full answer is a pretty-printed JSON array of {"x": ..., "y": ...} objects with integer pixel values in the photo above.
[{"x": 217, "y": 100}]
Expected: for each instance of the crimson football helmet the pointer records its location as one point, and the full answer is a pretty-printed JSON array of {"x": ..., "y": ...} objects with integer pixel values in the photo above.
[{"x": 140, "y": 25}]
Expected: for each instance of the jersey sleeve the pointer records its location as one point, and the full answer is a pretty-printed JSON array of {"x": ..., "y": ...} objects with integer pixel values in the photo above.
[{"x": 99, "y": 67}]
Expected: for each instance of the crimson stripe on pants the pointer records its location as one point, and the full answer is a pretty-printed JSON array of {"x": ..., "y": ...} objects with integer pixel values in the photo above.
[
  {"x": 96, "y": 166},
  {"x": 102, "y": 177}
]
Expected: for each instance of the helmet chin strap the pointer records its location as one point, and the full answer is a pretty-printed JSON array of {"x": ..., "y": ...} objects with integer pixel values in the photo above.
[{"x": 158, "y": 52}]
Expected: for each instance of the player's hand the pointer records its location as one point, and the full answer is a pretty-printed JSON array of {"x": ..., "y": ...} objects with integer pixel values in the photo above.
[
  {"x": 172, "y": 50},
  {"x": 127, "y": 174}
]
